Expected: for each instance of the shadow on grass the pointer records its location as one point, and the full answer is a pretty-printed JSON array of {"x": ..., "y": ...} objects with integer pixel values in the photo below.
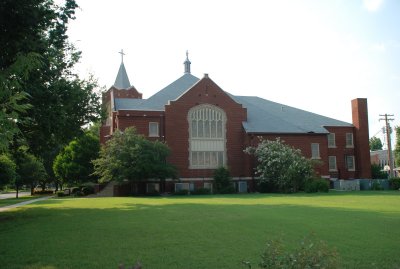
[{"x": 103, "y": 232}]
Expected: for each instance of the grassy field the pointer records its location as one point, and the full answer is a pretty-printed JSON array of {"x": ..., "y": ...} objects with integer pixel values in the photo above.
[
  {"x": 11, "y": 201},
  {"x": 198, "y": 231}
]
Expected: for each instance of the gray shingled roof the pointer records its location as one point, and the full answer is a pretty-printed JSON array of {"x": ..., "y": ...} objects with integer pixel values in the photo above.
[
  {"x": 263, "y": 116},
  {"x": 122, "y": 80},
  {"x": 158, "y": 101}
]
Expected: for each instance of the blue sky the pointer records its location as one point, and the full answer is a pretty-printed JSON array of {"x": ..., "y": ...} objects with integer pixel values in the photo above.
[{"x": 310, "y": 54}]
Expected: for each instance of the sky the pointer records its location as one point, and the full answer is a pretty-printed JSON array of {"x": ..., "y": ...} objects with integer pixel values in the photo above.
[{"x": 309, "y": 54}]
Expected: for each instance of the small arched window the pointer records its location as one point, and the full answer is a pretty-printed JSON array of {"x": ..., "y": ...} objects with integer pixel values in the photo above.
[{"x": 207, "y": 132}]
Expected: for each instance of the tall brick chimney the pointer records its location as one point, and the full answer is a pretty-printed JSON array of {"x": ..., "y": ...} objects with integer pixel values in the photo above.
[{"x": 359, "y": 108}]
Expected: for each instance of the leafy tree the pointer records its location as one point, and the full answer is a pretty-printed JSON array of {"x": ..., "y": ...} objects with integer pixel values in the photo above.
[
  {"x": 7, "y": 170},
  {"x": 130, "y": 156},
  {"x": 74, "y": 163},
  {"x": 37, "y": 61},
  {"x": 397, "y": 147},
  {"x": 375, "y": 143},
  {"x": 376, "y": 172},
  {"x": 30, "y": 170},
  {"x": 223, "y": 181},
  {"x": 283, "y": 168}
]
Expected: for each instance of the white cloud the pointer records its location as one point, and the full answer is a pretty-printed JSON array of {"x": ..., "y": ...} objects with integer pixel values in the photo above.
[
  {"x": 379, "y": 47},
  {"x": 372, "y": 5}
]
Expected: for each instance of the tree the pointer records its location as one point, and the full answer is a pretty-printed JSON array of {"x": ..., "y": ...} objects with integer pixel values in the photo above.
[
  {"x": 34, "y": 34},
  {"x": 223, "y": 181},
  {"x": 375, "y": 143},
  {"x": 74, "y": 163},
  {"x": 30, "y": 170},
  {"x": 281, "y": 167},
  {"x": 7, "y": 170},
  {"x": 397, "y": 147},
  {"x": 130, "y": 156}
]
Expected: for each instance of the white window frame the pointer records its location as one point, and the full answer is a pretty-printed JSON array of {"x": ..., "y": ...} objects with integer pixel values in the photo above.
[
  {"x": 208, "y": 185},
  {"x": 156, "y": 133},
  {"x": 207, "y": 148},
  {"x": 332, "y": 163},
  {"x": 331, "y": 140},
  {"x": 184, "y": 186},
  {"x": 349, "y": 140},
  {"x": 353, "y": 167},
  {"x": 315, "y": 147}
]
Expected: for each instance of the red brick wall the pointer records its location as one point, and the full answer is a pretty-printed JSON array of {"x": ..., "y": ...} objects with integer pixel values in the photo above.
[
  {"x": 341, "y": 151},
  {"x": 177, "y": 128},
  {"x": 361, "y": 140},
  {"x": 140, "y": 120}
]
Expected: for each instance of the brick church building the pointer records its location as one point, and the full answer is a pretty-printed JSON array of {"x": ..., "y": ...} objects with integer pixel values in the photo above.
[{"x": 207, "y": 127}]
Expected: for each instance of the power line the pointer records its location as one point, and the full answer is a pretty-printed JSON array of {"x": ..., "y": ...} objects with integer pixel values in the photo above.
[{"x": 389, "y": 141}]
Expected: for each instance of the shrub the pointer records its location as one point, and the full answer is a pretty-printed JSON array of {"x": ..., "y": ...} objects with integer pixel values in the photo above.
[
  {"x": 228, "y": 189},
  {"x": 75, "y": 190},
  {"x": 376, "y": 172},
  {"x": 281, "y": 166},
  {"x": 88, "y": 190},
  {"x": 316, "y": 185},
  {"x": 311, "y": 253},
  {"x": 223, "y": 181},
  {"x": 41, "y": 192},
  {"x": 200, "y": 191},
  {"x": 181, "y": 192},
  {"x": 60, "y": 194},
  {"x": 376, "y": 186},
  {"x": 394, "y": 183}
]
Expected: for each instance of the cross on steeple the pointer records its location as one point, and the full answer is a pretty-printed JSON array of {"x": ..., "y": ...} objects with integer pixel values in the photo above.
[
  {"x": 187, "y": 63},
  {"x": 122, "y": 55}
]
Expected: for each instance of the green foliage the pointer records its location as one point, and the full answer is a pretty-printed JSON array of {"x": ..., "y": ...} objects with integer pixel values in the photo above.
[
  {"x": 375, "y": 143},
  {"x": 88, "y": 190},
  {"x": 181, "y": 192},
  {"x": 36, "y": 73},
  {"x": 130, "y": 156},
  {"x": 281, "y": 167},
  {"x": 73, "y": 164},
  {"x": 223, "y": 181},
  {"x": 61, "y": 194},
  {"x": 30, "y": 169},
  {"x": 397, "y": 147},
  {"x": 394, "y": 183},
  {"x": 201, "y": 191},
  {"x": 316, "y": 185},
  {"x": 43, "y": 192},
  {"x": 377, "y": 173},
  {"x": 7, "y": 170},
  {"x": 311, "y": 253},
  {"x": 376, "y": 186}
]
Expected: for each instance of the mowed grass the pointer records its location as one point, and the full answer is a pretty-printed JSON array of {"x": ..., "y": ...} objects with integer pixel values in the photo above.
[
  {"x": 12, "y": 201},
  {"x": 198, "y": 231}
]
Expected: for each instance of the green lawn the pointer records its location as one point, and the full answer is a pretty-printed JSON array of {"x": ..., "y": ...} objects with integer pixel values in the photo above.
[
  {"x": 11, "y": 201},
  {"x": 198, "y": 231}
]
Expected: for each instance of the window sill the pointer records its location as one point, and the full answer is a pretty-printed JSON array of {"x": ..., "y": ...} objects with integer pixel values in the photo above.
[
  {"x": 332, "y": 147},
  {"x": 333, "y": 170},
  {"x": 154, "y": 136},
  {"x": 351, "y": 170},
  {"x": 349, "y": 147}
]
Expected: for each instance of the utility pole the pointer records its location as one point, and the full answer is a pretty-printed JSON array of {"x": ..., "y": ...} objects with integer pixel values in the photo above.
[{"x": 389, "y": 141}]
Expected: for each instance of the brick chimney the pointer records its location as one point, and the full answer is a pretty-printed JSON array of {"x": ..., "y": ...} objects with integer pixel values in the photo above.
[{"x": 359, "y": 108}]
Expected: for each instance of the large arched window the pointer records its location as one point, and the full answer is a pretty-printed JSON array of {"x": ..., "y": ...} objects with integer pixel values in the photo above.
[{"x": 207, "y": 134}]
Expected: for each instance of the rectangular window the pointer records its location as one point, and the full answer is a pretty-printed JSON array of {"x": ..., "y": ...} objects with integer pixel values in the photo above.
[
  {"x": 350, "y": 163},
  {"x": 332, "y": 163},
  {"x": 349, "y": 140},
  {"x": 181, "y": 186},
  {"x": 153, "y": 129},
  {"x": 206, "y": 159},
  {"x": 315, "y": 151},
  {"x": 208, "y": 185},
  {"x": 331, "y": 140}
]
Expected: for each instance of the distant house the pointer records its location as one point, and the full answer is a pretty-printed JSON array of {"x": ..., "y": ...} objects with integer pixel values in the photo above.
[{"x": 207, "y": 127}]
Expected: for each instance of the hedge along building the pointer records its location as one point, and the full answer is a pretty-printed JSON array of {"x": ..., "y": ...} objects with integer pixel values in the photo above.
[{"x": 206, "y": 127}]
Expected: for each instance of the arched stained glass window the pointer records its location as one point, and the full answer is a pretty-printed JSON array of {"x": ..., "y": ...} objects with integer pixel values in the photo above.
[{"x": 207, "y": 139}]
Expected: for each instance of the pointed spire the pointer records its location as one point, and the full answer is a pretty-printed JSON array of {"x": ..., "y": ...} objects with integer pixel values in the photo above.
[
  {"x": 122, "y": 80},
  {"x": 187, "y": 63}
]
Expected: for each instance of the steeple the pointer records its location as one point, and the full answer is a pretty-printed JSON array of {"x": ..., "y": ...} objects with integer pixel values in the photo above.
[
  {"x": 122, "y": 80},
  {"x": 187, "y": 63}
]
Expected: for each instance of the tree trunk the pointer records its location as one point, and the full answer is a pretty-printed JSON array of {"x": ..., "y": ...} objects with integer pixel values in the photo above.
[{"x": 16, "y": 194}]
